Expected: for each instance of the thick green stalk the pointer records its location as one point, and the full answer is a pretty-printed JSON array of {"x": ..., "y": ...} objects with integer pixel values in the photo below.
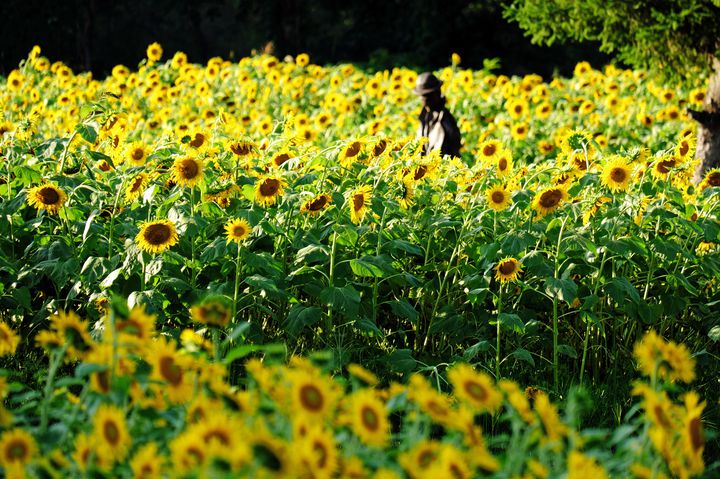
[{"x": 497, "y": 344}]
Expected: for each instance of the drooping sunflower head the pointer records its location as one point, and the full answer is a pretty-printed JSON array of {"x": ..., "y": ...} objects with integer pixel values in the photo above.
[
  {"x": 407, "y": 196},
  {"x": 664, "y": 165},
  {"x": 46, "y": 197},
  {"x": 711, "y": 179},
  {"x": 548, "y": 200},
  {"x": 136, "y": 187},
  {"x": 351, "y": 153},
  {"x": 498, "y": 198},
  {"x": 507, "y": 270},
  {"x": 188, "y": 171},
  {"x": 237, "y": 230},
  {"x": 157, "y": 236},
  {"x": 241, "y": 148},
  {"x": 360, "y": 199},
  {"x": 316, "y": 205},
  {"x": 268, "y": 189},
  {"x": 199, "y": 140},
  {"x": 213, "y": 311},
  {"x": 280, "y": 158},
  {"x": 616, "y": 173},
  {"x": 685, "y": 147}
]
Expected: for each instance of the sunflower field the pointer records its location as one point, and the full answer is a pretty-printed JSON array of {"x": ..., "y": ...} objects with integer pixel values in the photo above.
[{"x": 249, "y": 269}]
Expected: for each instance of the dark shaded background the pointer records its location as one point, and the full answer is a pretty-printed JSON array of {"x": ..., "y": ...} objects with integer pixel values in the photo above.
[{"x": 98, "y": 34}]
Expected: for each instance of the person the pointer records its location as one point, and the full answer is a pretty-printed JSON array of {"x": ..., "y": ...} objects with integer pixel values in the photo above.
[{"x": 436, "y": 122}]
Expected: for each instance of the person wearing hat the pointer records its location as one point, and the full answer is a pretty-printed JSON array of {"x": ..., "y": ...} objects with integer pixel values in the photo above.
[{"x": 436, "y": 122}]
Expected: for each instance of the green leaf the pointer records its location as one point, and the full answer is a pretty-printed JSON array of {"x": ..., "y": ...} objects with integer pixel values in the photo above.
[
  {"x": 563, "y": 289},
  {"x": 314, "y": 253},
  {"x": 567, "y": 350},
  {"x": 243, "y": 350},
  {"x": 110, "y": 278},
  {"x": 404, "y": 309},
  {"x": 365, "y": 269},
  {"x": 265, "y": 285},
  {"x": 401, "y": 361},
  {"x": 523, "y": 355},
  {"x": 346, "y": 235},
  {"x": 406, "y": 246},
  {"x": 620, "y": 288},
  {"x": 714, "y": 333},
  {"x": 22, "y": 296},
  {"x": 299, "y": 317},
  {"x": 87, "y": 131},
  {"x": 677, "y": 280},
  {"x": 368, "y": 327},
  {"x": 512, "y": 322},
  {"x": 472, "y": 351},
  {"x": 345, "y": 298}
]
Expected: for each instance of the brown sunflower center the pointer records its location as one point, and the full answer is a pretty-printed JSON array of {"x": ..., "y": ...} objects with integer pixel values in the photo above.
[
  {"x": 269, "y": 187},
  {"x": 311, "y": 397},
  {"x": 425, "y": 458},
  {"x": 170, "y": 371},
  {"x": 157, "y": 234},
  {"x": 497, "y": 197},
  {"x": 507, "y": 267},
  {"x": 16, "y": 450},
  {"x": 420, "y": 172},
  {"x": 239, "y": 231},
  {"x": 111, "y": 432},
  {"x": 661, "y": 417},
  {"x": 503, "y": 164},
  {"x": 697, "y": 438},
  {"x": 475, "y": 390},
  {"x": 103, "y": 379},
  {"x": 618, "y": 175},
  {"x": 198, "y": 140},
  {"x": 489, "y": 150},
  {"x": 138, "y": 154},
  {"x": 358, "y": 202},
  {"x": 129, "y": 326},
  {"x": 241, "y": 148},
  {"x": 518, "y": 109},
  {"x": 369, "y": 418},
  {"x": 520, "y": 130},
  {"x": 318, "y": 203},
  {"x": 665, "y": 165},
  {"x": 352, "y": 150},
  {"x": 189, "y": 168},
  {"x": 550, "y": 199},
  {"x": 684, "y": 148},
  {"x": 379, "y": 148},
  {"x": 322, "y": 453},
  {"x": 137, "y": 183},
  {"x": 220, "y": 435},
  {"x": 49, "y": 195},
  {"x": 713, "y": 179},
  {"x": 281, "y": 158}
]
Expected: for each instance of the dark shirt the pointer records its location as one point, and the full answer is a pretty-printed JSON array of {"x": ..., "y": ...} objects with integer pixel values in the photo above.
[{"x": 450, "y": 132}]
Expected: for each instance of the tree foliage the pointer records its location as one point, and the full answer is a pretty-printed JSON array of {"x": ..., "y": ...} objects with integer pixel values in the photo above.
[{"x": 673, "y": 37}]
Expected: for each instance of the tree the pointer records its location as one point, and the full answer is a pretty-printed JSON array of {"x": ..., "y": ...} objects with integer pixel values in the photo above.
[{"x": 678, "y": 39}]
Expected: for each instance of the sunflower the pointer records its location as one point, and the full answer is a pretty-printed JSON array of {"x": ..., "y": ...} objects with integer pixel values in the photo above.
[
  {"x": 9, "y": 340},
  {"x": 187, "y": 171},
  {"x": 135, "y": 154},
  {"x": 517, "y": 108},
  {"x": 407, "y": 197},
  {"x": 711, "y": 179},
  {"x": 419, "y": 458},
  {"x": 17, "y": 448},
  {"x": 359, "y": 201},
  {"x": 362, "y": 374},
  {"x": 310, "y": 394},
  {"x": 616, "y": 173},
  {"x": 693, "y": 436},
  {"x": 199, "y": 140},
  {"x": 519, "y": 131},
  {"x": 154, "y": 52},
  {"x": 504, "y": 163},
  {"x": 581, "y": 466},
  {"x": 280, "y": 158},
  {"x": 517, "y": 400},
  {"x": 508, "y": 269},
  {"x": 552, "y": 425},
  {"x": 170, "y": 368},
  {"x": 241, "y": 148},
  {"x": 156, "y": 236},
  {"x": 489, "y": 150},
  {"x": 147, "y": 462},
  {"x": 110, "y": 434},
  {"x": 188, "y": 453},
  {"x": 136, "y": 330},
  {"x": 71, "y": 331},
  {"x": 368, "y": 418},
  {"x": 314, "y": 206},
  {"x": 46, "y": 197},
  {"x": 587, "y": 215},
  {"x": 548, "y": 200},
  {"x": 498, "y": 198},
  {"x": 271, "y": 454},
  {"x": 268, "y": 189},
  {"x": 213, "y": 311},
  {"x": 237, "y": 230},
  {"x": 475, "y": 388},
  {"x": 350, "y": 153},
  {"x": 380, "y": 147},
  {"x": 136, "y": 187},
  {"x": 318, "y": 453}
]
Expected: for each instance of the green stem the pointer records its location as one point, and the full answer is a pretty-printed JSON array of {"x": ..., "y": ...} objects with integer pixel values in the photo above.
[
  {"x": 331, "y": 280},
  {"x": 112, "y": 217},
  {"x": 65, "y": 151},
  {"x": 55, "y": 360},
  {"x": 375, "y": 280},
  {"x": 237, "y": 283},
  {"x": 497, "y": 344},
  {"x": 192, "y": 243},
  {"x": 216, "y": 344},
  {"x": 555, "y": 309}
]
